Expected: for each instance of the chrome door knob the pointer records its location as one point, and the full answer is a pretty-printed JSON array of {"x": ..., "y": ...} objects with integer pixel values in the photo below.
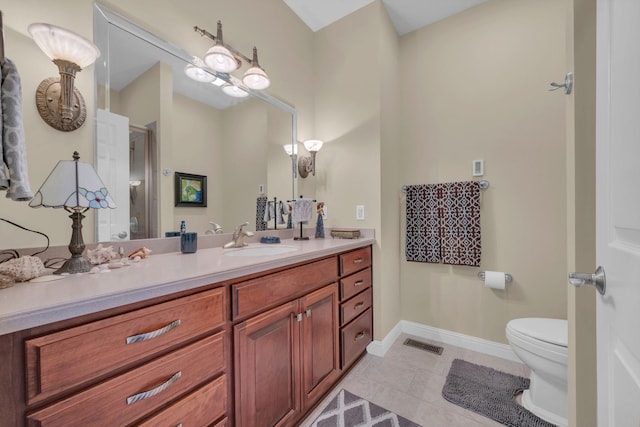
[{"x": 596, "y": 279}]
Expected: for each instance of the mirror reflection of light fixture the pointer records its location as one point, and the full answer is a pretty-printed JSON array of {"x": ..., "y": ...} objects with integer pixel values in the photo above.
[
  {"x": 61, "y": 105},
  {"x": 308, "y": 164},
  {"x": 224, "y": 59},
  {"x": 292, "y": 151},
  {"x": 76, "y": 187},
  {"x": 197, "y": 71},
  {"x": 233, "y": 89}
]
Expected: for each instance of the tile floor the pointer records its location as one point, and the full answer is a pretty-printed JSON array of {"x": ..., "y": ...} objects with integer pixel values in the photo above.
[{"x": 409, "y": 381}]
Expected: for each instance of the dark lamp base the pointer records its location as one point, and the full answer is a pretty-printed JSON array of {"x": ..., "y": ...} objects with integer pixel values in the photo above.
[{"x": 75, "y": 264}]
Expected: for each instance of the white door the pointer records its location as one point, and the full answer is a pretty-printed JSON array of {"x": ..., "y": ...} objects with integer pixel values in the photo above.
[
  {"x": 618, "y": 211},
  {"x": 112, "y": 165}
]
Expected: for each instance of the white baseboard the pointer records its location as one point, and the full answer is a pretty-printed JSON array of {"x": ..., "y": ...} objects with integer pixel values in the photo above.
[{"x": 379, "y": 348}]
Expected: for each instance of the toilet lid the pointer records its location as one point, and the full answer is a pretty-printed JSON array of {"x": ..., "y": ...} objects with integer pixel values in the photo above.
[{"x": 553, "y": 331}]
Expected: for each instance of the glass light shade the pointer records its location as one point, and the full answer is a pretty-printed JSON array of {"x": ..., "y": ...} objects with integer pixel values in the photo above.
[
  {"x": 219, "y": 58},
  {"x": 61, "y": 189},
  {"x": 196, "y": 71},
  {"x": 313, "y": 145},
  {"x": 289, "y": 150},
  {"x": 58, "y": 43},
  {"x": 256, "y": 78},
  {"x": 234, "y": 91}
]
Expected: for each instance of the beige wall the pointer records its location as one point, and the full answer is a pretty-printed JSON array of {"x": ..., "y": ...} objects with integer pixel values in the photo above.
[
  {"x": 474, "y": 86},
  {"x": 581, "y": 212},
  {"x": 350, "y": 99}
]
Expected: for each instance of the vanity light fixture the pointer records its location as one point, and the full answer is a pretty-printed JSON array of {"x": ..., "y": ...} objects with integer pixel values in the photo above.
[
  {"x": 219, "y": 57},
  {"x": 223, "y": 58},
  {"x": 255, "y": 77},
  {"x": 308, "y": 164},
  {"x": 292, "y": 151},
  {"x": 61, "y": 105},
  {"x": 76, "y": 187}
]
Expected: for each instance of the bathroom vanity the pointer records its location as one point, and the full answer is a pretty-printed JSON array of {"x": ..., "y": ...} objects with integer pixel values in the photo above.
[{"x": 198, "y": 339}]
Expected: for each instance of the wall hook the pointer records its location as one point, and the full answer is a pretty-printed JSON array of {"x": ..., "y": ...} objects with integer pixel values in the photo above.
[{"x": 567, "y": 85}]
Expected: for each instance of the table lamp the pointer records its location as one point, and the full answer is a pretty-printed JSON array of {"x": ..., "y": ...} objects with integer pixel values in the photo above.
[{"x": 76, "y": 187}]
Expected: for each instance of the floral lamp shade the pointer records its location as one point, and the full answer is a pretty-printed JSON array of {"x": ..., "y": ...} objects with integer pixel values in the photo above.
[{"x": 73, "y": 184}]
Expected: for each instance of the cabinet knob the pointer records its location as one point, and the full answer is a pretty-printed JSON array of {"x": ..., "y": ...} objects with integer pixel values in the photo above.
[
  {"x": 358, "y": 306},
  {"x": 359, "y": 336}
]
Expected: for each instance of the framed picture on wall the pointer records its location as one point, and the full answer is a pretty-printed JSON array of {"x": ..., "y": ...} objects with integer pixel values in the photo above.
[{"x": 190, "y": 190}]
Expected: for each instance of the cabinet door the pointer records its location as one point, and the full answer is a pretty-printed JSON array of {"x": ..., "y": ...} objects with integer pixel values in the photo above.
[
  {"x": 267, "y": 368},
  {"x": 320, "y": 353}
]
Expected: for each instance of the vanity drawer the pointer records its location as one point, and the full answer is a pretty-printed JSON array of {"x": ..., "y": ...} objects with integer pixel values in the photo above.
[
  {"x": 357, "y": 282},
  {"x": 355, "y": 260},
  {"x": 357, "y": 305},
  {"x": 355, "y": 337},
  {"x": 200, "y": 408},
  {"x": 68, "y": 358},
  {"x": 261, "y": 293},
  {"x": 120, "y": 400}
]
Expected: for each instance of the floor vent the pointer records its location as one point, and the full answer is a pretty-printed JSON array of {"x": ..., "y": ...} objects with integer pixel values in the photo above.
[{"x": 436, "y": 349}]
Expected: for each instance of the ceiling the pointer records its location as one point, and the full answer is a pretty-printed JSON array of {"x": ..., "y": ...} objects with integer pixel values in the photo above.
[{"x": 406, "y": 15}]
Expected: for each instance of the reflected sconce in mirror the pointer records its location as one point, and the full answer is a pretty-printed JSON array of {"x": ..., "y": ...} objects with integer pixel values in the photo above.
[
  {"x": 307, "y": 164},
  {"x": 76, "y": 187},
  {"x": 59, "y": 103},
  {"x": 223, "y": 58},
  {"x": 292, "y": 151}
]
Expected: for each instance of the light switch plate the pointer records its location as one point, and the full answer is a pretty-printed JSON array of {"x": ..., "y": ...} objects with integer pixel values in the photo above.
[
  {"x": 360, "y": 212},
  {"x": 478, "y": 167}
]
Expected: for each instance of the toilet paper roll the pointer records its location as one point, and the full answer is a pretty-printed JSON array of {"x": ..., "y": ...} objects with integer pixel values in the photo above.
[{"x": 495, "y": 279}]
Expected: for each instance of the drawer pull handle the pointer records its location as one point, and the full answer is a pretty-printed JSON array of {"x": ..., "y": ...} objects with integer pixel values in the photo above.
[
  {"x": 308, "y": 312},
  {"x": 358, "y": 261},
  {"x": 153, "y": 334},
  {"x": 358, "y": 306},
  {"x": 150, "y": 393},
  {"x": 359, "y": 336},
  {"x": 359, "y": 283}
]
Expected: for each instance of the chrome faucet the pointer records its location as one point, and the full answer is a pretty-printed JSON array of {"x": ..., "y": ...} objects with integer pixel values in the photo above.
[
  {"x": 215, "y": 228},
  {"x": 238, "y": 235}
]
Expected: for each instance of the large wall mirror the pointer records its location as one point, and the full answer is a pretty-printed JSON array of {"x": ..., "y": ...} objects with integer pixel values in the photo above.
[{"x": 153, "y": 121}]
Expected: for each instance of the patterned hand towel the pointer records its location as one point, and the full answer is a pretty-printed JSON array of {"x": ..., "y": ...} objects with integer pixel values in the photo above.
[
  {"x": 302, "y": 210},
  {"x": 443, "y": 223},
  {"x": 13, "y": 153},
  {"x": 460, "y": 223},
  {"x": 261, "y": 207},
  {"x": 423, "y": 224}
]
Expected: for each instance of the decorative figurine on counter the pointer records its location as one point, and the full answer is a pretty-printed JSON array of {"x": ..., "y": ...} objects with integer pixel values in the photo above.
[{"x": 320, "y": 221}]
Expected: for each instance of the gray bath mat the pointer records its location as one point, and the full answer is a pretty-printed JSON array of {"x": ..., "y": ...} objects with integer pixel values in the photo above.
[
  {"x": 349, "y": 410},
  {"x": 490, "y": 393}
]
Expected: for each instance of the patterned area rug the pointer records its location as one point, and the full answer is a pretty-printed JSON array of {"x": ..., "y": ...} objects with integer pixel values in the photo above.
[
  {"x": 490, "y": 393},
  {"x": 349, "y": 410}
]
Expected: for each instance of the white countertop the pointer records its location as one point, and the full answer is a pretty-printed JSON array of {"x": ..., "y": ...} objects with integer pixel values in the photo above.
[{"x": 26, "y": 305}]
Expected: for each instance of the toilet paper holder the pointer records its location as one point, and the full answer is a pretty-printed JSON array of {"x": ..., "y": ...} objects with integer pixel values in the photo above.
[{"x": 507, "y": 277}]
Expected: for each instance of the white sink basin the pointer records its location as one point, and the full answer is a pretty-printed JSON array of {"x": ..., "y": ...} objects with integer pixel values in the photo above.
[{"x": 260, "y": 250}]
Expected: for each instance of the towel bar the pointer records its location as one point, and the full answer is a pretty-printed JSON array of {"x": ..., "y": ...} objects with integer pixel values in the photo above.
[
  {"x": 507, "y": 277},
  {"x": 484, "y": 184}
]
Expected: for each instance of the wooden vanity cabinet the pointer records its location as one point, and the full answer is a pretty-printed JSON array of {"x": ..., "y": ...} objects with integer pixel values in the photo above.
[
  {"x": 288, "y": 357},
  {"x": 356, "y": 300},
  {"x": 124, "y": 367},
  {"x": 249, "y": 352}
]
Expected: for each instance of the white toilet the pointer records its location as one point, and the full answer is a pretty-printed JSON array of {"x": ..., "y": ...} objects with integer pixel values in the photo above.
[{"x": 541, "y": 344}]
